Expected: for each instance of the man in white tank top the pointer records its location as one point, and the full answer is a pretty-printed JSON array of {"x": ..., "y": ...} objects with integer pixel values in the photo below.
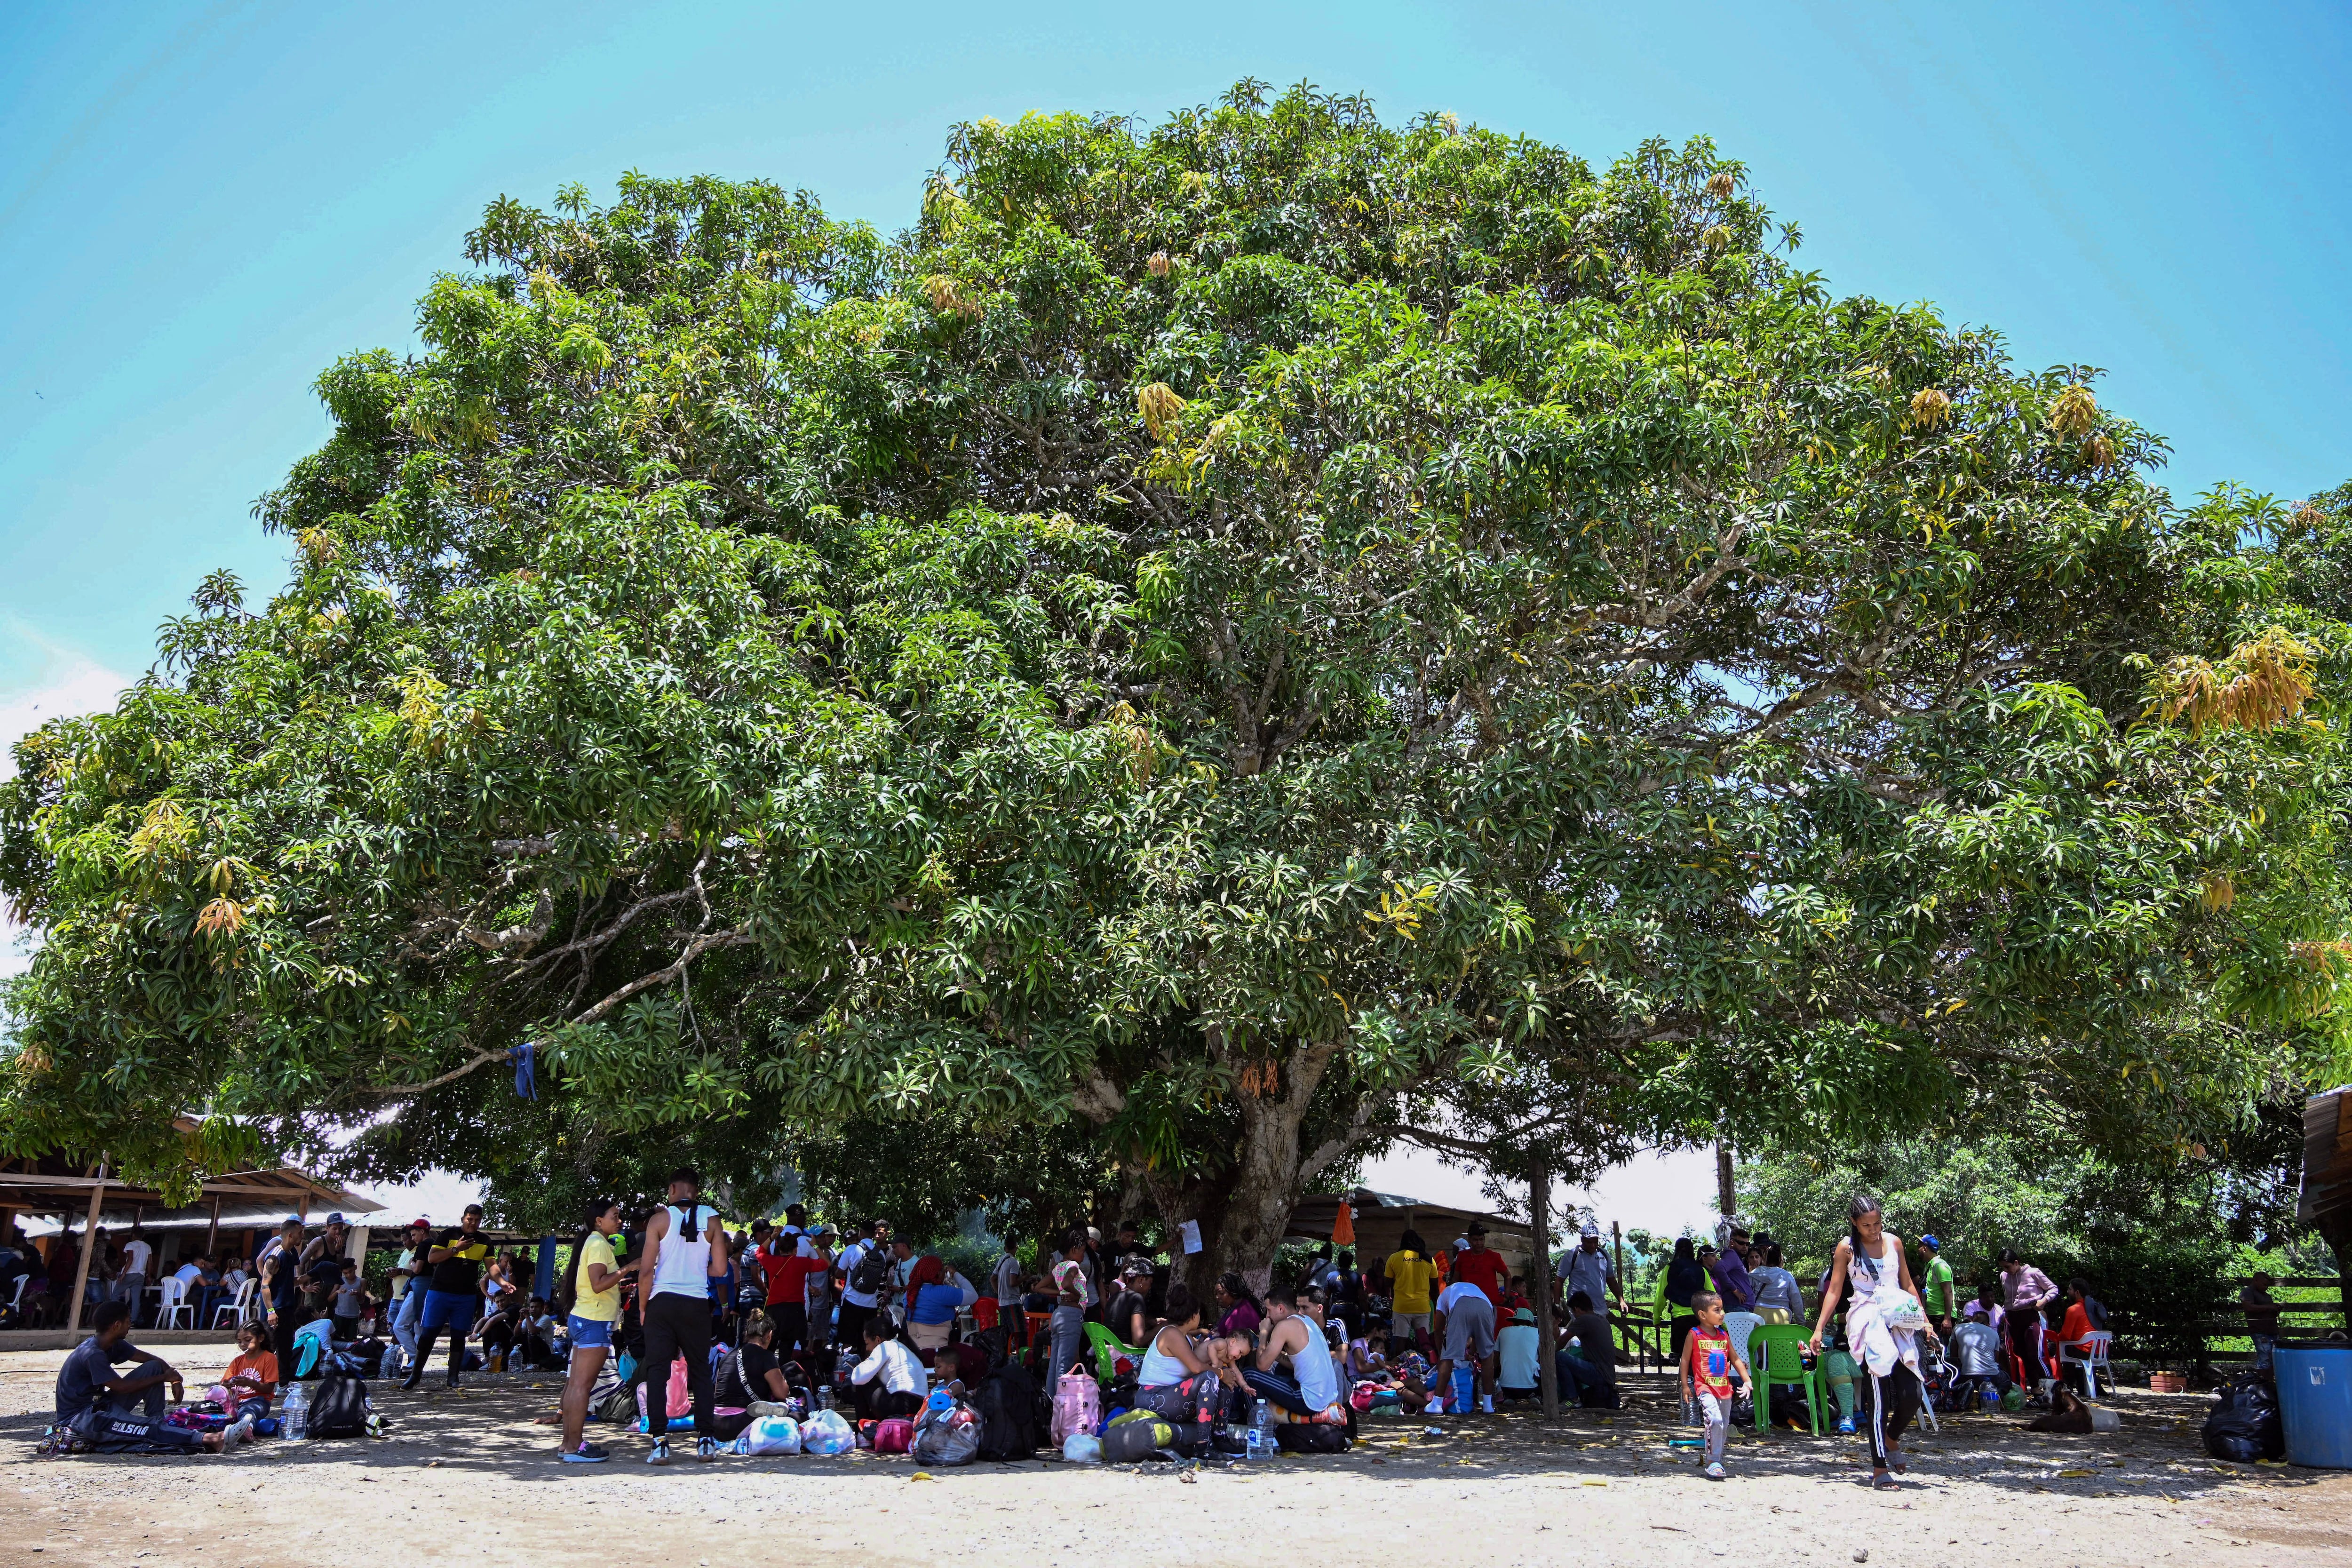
[{"x": 688, "y": 1247}]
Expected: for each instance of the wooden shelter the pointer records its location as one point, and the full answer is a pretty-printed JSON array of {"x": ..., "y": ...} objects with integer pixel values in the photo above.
[
  {"x": 2326, "y": 1200},
  {"x": 1381, "y": 1220},
  {"x": 239, "y": 1199}
]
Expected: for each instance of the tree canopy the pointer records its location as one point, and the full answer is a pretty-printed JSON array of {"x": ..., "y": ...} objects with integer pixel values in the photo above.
[{"x": 1250, "y": 635}]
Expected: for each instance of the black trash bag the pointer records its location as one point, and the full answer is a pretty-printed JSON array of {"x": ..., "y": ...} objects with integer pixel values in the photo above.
[
  {"x": 2245, "y": 1425},
  {"x": 1315, "y": 1438}
]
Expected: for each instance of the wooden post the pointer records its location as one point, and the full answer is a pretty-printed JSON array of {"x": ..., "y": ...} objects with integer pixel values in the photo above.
[
  {"x": 1727, "y": 1196},
  {"x": 1540, "y": 1279},
  {"x": 89, "y": 1240},
  {"x": 211, "y": 1231}
]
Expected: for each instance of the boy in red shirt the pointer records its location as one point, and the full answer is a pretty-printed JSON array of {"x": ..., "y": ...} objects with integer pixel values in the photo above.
[{"x": 1708, "y": 1360}]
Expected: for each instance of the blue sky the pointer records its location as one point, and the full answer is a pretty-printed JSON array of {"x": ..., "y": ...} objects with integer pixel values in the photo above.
[{"x": 202, "y": 206}]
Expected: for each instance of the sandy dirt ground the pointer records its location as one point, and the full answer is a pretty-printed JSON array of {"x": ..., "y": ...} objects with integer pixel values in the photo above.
[{"x": 467, "y": 1477}]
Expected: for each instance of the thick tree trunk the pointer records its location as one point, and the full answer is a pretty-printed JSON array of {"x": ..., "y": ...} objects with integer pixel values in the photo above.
[{"x": 1242, "y": 1216}]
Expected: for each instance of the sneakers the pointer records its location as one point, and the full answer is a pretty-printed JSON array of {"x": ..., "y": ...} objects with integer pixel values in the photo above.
[
  {"x": 1486, "y": 1403},
  {"x": 706, "y": 1450},
  {"x": 1712, "y": 1472},
  {"x": 588, "y": 1453},
  {"x": 660, "y": 1455}
]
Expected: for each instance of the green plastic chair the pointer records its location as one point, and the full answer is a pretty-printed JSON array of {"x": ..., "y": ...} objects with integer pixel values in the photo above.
[
  {"x": 1776, "y": 1355},
  {"x": 1107, "y": 1349}
]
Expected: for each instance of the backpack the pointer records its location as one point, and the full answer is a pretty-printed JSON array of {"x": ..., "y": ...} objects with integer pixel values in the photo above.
[
  {"x": 873, "y": 1268},
  {"x": 949, "y": 1436},
  {"x": 895, "y": 1435},
  {"x": 339, "y": 1408},
  {"x": 1130, "y": 1442},
  {"x": 1077, "y": 1404},
  {"x": 1311, "y": 1438},
  {"x": 1006, "y": 1406},
  {"x": 992, "y": 1343}
]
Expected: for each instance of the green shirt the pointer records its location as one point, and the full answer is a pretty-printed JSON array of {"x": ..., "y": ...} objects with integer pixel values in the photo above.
[{"x": 1939, "y": 1280}]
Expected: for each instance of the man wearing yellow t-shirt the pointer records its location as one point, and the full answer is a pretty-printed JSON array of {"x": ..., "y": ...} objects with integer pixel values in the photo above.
[{"x": 1409, "y": 1275}]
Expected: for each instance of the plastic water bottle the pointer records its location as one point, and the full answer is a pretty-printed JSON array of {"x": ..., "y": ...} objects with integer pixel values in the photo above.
[
  {"x": 1260, "y": 1441},
  {"x": 295, "y": 1421}
]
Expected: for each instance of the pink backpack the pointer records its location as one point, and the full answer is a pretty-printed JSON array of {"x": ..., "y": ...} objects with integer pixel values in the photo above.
[
  {"x": 1077, "y": 1406},
  {"x": 679, "y": 1399},
  {"x": 895, "y": 1435}
]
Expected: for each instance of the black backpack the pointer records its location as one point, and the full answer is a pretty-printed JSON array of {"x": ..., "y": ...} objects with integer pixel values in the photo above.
[
  {"x": 873, "y": 1268},
  {"x": 994, "y": 1344},
  {"x": 1313, "y": 1437},
  {"x": 1006, "y": 1404},
  {"x": 339, "y": 1407}
]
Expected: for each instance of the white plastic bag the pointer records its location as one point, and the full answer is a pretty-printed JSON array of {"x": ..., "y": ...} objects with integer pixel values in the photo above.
[
  {"x": 770, "y": 1435},
  {"x": 1898, "y": 1308},
  {"x": 1082, "y": 1449},
  {"x": 827, "y": 1432}
]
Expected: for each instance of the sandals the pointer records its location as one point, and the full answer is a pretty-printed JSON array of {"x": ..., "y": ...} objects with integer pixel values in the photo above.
[{"x": 1879, "y": 1482}]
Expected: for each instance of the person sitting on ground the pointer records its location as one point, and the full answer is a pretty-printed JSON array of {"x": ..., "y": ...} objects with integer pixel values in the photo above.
[
  {"x": 125, "y": 1414},
  {"x": 1518, "y": 1347},
  {"x": 890, "y": 1381},
  {"x": 1239, "y": 1312},
  {"x": 254, "y": 1373},
  {"x": 1180, "y": 1378},
  {"x": 1465, "y": 1322},
  {"x": 935, "y": 1294},
  {"x": 1310, "y": 1388},
  {"x": 752, "y": 1381},
  {"x": 1591, "y": 1373}
]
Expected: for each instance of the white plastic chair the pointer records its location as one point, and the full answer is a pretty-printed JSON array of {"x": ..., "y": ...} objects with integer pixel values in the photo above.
[
  {"x": 2092, "y": 1358},
  {"x": 174, "y": 1303},
  {"x": 235, "y": 1311}
]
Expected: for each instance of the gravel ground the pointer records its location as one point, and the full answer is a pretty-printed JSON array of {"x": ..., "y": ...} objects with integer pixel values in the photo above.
[{"x": 468, "y": 1478}]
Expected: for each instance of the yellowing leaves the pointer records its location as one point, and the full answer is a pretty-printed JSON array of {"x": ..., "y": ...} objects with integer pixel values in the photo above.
[
  {"x": 1403, "y": 908},
  {"x": 1160, "y": 406},
  {"x": 2261, "y": 685},
  {"x": 2217, "y": 893},
  {"x": 2072, "y": 413},
  {"x": 222, "y": 917},
  {"x": 1930, "y": 407}
]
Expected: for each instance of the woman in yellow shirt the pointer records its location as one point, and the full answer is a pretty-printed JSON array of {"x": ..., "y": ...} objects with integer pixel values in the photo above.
[
  {"x": 1410, "y": 1274},
  {"x": 594, "y": 1287}
]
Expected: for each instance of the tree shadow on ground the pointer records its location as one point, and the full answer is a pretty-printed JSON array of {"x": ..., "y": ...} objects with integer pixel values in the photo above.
[{"x": 489, "y": 1426}]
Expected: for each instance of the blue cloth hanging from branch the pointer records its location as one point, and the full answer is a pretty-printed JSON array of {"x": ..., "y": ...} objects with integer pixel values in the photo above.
[{"x": 525, "y": 1072}]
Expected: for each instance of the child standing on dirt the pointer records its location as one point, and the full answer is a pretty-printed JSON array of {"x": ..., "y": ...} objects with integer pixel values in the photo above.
[{"x": 1708, "y": 1357}]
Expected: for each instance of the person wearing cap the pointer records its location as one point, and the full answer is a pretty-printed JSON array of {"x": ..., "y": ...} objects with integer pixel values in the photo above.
[
  {"x": 452, "y": 1294},
  {"x": 1588, "y": 1268},
  {"x": 1942, "y": 1297}
]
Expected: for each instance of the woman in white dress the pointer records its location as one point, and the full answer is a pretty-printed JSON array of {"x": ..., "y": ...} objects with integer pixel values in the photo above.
[{"x": 1882, "y": 1322}]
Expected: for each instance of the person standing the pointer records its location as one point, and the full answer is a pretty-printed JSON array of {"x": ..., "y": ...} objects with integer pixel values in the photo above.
[
  {"x": 863, "y": 1270},
  {"x": 689, "y": 1249},
  {"x": 1007, "y": 1281},
  {"x": 1588, "y": 1269},
  {"x": 281, "y": 1290},
  {"x": 138, "y": 1258},
  {"x": 1068, "y": 1325},
  {"x": 1709, "y": 1356},
  {"x": 1481, "y": 1266},
  {"x": 451, "y": 1295},
  {"x": 818, "y": 1301},
  {"x": 786, "y": 1269},
  {"x": 1942, "y": 1300},
  {"x": 1465, "y": 1317},
  {"x": 1410, "y": 1273},
  {"x": 1869, "y": 1267},
  {"x": 591, "y": 1299},
  {"x": 2026, "y": 1291}
]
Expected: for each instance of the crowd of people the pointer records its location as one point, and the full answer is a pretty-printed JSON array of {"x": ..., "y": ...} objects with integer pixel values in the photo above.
[{"x": 788, "y": 1315}]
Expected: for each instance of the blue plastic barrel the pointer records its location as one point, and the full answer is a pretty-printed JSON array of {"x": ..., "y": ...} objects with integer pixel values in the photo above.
[{"x": 2316, "y": 1402}]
